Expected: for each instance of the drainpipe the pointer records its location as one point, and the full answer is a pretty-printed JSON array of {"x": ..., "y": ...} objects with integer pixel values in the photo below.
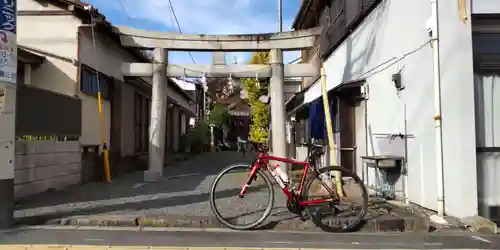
[{"x": 434, "y": 32}]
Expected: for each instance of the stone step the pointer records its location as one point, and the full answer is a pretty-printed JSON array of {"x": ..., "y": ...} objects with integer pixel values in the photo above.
[{"x": 383, "y": 223}]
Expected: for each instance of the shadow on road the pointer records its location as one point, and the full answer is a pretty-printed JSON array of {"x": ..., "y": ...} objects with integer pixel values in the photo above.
[{"x": 184, "y": 184}]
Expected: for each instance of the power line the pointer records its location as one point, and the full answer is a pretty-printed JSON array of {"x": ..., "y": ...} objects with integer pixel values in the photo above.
[
  {"x": 178, "y": 25},
  {"x": 130, "y": 19},
  {"x": 123, "y": 10}
]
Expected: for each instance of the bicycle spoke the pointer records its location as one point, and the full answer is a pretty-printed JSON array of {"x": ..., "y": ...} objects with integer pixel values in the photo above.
[
  {"x": 241, "y": 212},
  {"x": 343, "y": 213}
]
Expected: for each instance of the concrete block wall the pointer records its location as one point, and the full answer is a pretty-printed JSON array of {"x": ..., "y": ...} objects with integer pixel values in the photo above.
[{"x": 44, "y": 165}]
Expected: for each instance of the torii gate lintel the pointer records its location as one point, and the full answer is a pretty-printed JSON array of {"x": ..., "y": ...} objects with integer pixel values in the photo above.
[{"x": 286, "y": 41}]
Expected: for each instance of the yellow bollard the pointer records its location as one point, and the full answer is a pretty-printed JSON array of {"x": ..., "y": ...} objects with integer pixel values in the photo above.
[
  {"x": 105, "y": 150},
  {"x": 329, "y": 129},
  {"x": 462, "y": 8}
]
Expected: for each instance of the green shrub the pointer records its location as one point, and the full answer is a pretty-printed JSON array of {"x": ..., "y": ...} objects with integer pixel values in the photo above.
[
  {"x": 197, "y": 139},
  {"x": 219, "y": 115}
]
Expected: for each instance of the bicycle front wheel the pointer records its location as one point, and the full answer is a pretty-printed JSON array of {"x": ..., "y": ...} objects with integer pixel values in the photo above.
[
  {"x": 346, "y": 208},
  {"x": 241, "y": 213}
]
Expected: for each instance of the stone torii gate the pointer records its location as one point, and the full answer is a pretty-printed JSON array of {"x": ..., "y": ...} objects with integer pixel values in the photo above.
[{"x": 160, "y": 69}]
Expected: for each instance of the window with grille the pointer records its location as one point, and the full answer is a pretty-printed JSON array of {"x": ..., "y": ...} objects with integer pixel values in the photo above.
[{"x": 89, "y": 84}]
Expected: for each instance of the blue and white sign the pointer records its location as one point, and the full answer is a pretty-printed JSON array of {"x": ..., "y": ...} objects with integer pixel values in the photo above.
[{"x": 8, "y": 41}]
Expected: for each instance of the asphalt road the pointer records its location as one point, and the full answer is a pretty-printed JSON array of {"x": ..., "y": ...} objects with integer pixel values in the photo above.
[{"x": 254, "y": 239}]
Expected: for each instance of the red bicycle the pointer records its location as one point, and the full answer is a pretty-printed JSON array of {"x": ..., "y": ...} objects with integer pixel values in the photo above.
[{"x": 299, "y": 200}]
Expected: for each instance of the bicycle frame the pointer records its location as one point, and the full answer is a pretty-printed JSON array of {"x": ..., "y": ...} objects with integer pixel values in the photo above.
[{"x": 263, "y": 160}]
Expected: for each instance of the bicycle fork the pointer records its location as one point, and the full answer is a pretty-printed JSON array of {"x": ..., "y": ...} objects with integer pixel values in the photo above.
[{"x": 251, "y": 177}]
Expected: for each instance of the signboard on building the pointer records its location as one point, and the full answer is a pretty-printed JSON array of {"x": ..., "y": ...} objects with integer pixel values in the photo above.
[{"x": 8, "y": 42}]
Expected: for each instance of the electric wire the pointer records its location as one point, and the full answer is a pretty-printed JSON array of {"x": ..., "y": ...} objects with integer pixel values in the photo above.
[
  {"x": 178, "y": 25},
  {"x": 388, "y": 63},
  {"x": 122, "y": 7},
  {"x": 373, "y": 71},
  {"x": 93, "y": 23}
]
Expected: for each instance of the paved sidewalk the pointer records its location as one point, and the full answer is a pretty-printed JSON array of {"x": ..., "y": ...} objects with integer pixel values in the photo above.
[{"x": 180, "y": 199}]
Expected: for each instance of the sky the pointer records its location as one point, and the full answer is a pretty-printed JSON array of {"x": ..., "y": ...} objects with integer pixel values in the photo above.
[{"x": 202, "y": 17}]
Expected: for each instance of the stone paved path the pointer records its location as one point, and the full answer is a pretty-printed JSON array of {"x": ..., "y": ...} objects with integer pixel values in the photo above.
[
  {"x": 181, "y": 198},
  {"x": 182, "y": 192}
]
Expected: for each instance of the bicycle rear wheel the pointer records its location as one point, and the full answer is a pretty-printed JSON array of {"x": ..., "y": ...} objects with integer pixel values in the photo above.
[
  {"x": 221, "y": 200},
  {"x": 323, "y": 186}
]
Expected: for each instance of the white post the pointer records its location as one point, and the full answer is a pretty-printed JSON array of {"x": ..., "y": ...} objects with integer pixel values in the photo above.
[
  {"x": 212, "y": 138},
  {"x": 8, "y": 81},
  {"x": 277, "y": 96},
  {"x": 158, "y": 124}
]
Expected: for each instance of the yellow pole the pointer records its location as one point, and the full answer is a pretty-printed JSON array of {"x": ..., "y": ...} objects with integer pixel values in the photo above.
[
  {"x": 329, "y": 129},
  {"x": 462, "y": 8},
  {"x": 103, "y": 137},
  {"x": 99, "y": 104}
]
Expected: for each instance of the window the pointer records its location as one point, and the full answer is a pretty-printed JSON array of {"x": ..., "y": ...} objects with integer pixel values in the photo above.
[
  {"x": 142, "y": 107},
  {"x": 88, "y": 82}
]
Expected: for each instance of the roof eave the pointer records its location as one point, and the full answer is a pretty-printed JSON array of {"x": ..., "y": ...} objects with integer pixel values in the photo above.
[
  {"x": 108, "y": 28},
  {"x": 299, "y": 18}
]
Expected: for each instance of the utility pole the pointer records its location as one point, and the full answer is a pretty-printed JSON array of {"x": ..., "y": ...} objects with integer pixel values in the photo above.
[
  {"x": 280, "y": 15},
  {"x": 280, "y": 29},
  {"x": 276, "y": 91},
  {"x": 8, "y": 89}
]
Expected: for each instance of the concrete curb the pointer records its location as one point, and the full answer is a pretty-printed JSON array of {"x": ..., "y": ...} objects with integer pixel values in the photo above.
[
  {"x": 481, "y": 225},
  {"x": 384, "y": 223}
]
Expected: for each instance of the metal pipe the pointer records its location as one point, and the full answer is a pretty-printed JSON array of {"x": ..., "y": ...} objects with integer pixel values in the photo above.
[
  {"x": 437, "y": 106},
  {"x": 405, "y": 161},
  {"x": 367, "y": 133}
]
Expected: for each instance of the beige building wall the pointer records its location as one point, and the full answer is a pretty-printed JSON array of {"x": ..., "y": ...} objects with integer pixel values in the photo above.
[
  {"x": 66, "y": 42},
  {"x": 103, "y": 62},
  {"x": 109, "y": 58},
  {"x": 56, "y": 37}
]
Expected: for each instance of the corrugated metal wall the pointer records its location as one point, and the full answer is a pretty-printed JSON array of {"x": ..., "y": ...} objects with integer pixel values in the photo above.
[
  {"x": 487, "y": 111},
  {"x": 487, "y": 92}
]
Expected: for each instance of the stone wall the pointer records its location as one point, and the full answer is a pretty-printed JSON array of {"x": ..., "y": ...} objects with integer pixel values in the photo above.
[{"x": 45, "y": 165}]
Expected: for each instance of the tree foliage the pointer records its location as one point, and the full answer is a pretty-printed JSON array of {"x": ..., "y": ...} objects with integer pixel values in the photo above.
[
  {"x": 219, "y": 88},
  {"x": 260, "y": 58},
  {"x": 260, "y": 111},
  {"x": 219, "y": 115}
]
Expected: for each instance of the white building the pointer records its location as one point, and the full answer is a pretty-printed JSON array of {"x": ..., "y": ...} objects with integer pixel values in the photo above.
[{"x": 365, "y": 45}]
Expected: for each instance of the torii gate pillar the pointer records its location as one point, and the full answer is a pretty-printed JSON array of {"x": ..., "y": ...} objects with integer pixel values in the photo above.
[
  {"x": 277, "y": 103},
  {"x": 157, "y": 127}
]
